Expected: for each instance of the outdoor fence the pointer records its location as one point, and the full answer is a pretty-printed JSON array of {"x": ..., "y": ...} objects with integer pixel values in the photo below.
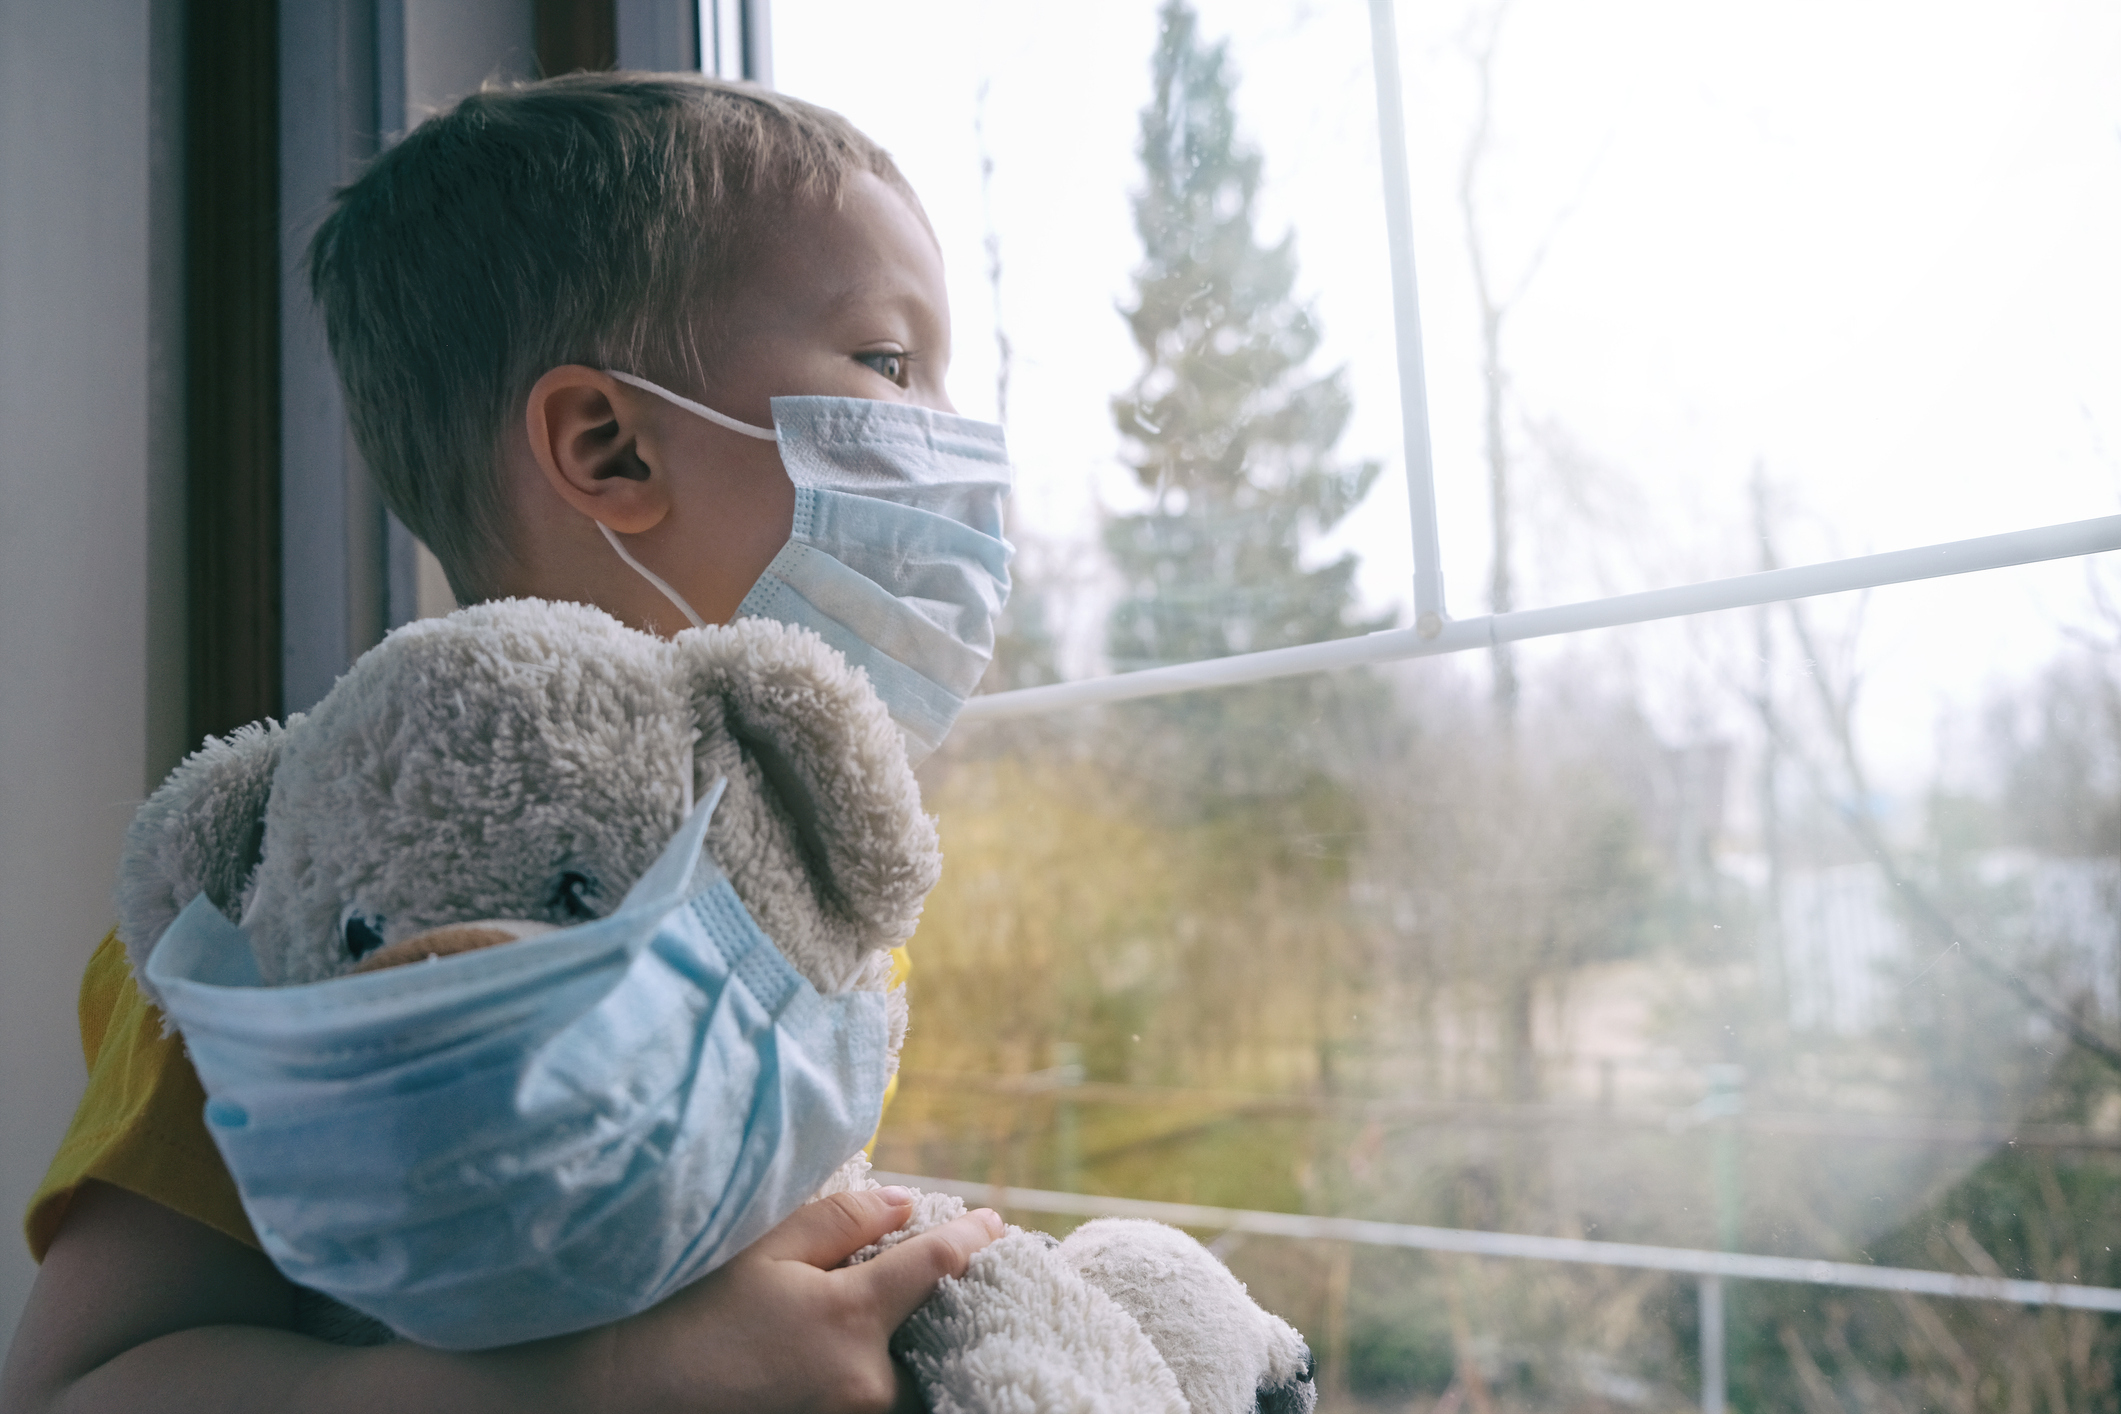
[{"x": 1710, "y": 1269}]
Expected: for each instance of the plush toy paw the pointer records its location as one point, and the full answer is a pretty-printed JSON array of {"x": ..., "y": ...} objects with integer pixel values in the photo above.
[
  {"x": 1021, "y": 1334},
  {"x": 1227, "y": 1353},
  {"x": 1124, "y": 1316}
]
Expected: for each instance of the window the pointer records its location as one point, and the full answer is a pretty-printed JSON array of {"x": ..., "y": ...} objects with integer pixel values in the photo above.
[{"x": 1786, "y": 931}]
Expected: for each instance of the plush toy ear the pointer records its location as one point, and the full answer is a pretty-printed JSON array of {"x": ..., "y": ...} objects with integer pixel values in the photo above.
[
  {"x": 200, "y": 833},
  {"x": 833, "y": 760}
]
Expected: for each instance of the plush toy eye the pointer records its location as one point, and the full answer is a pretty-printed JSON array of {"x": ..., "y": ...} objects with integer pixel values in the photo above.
[
  {"x": 570, "y": 894},
  {"x": 361, "y": 932}
]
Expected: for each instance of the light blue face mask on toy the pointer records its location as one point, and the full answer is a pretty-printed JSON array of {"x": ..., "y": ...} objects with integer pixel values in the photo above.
[
  {"x": 896, "y": 557},
  {"x": 537, "y": 1137}
]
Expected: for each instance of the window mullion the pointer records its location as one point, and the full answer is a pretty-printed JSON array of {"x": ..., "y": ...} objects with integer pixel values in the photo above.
[{"x": 1429, "y": 614}]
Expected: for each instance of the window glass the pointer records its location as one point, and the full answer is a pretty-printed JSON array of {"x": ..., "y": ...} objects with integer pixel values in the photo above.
[
  {"x": 1858, "y": 249},
  {"x": 1695, "y": 968},
  {"x": 1863, "y": 254},
  {"x": 1789, "y": 931}
]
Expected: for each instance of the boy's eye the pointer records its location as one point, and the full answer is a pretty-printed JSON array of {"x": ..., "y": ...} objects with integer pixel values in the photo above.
[{"x": 890, "y": 365}]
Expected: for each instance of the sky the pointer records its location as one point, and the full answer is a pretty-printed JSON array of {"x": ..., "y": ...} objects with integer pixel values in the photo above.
[{"x": 1866, "y": 248}]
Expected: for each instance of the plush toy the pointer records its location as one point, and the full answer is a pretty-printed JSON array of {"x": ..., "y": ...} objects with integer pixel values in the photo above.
[{"x": 516, "y": 767}]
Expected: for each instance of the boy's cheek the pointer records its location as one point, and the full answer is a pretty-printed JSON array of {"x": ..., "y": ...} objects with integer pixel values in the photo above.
[{"x": 935, "y": 397}]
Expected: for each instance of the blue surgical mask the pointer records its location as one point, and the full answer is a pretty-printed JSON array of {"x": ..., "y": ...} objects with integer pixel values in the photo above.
[
  {"x": 896, "y": 557},
  {"x": 538, "y": 1137}
]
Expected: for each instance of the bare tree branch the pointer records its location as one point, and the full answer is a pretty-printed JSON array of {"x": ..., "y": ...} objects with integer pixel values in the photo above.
[
  {"x": 1484, "y": 32},
  {"x": 1561, "y": 218},
  {"x": 1838, "y": 709},
  {"x": 1003, "y": 349},
  {"x": 1479, "y": 42}
]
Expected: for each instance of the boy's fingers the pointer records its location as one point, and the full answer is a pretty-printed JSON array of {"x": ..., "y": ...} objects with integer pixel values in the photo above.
[
  {"x": 902, "y": 1278},
  {"x": 829, "y": 1231}
]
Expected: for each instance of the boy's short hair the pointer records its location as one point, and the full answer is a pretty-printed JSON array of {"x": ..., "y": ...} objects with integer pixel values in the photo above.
[{"x": 592, "y": 219}]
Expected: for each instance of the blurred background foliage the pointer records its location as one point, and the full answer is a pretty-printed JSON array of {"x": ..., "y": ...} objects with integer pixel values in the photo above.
[{"x": 1473, "y": 946}]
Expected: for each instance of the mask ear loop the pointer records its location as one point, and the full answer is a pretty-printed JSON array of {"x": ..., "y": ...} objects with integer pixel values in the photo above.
[
  {"x": 719, "y": 419},
  {"x": 652, "y": 577}
]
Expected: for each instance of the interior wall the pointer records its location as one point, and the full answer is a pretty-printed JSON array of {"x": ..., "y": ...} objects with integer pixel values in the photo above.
[{"x": 83, "y": 259}]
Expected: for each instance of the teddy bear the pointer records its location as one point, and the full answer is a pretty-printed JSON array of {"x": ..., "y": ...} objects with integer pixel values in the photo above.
[{"x": 513, "y": 769}]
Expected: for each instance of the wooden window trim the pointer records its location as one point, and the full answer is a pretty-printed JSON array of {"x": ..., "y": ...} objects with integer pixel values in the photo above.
[{"x": 232, "y": 364}]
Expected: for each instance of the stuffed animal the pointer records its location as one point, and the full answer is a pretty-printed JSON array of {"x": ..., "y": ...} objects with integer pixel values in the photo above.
[{"x": 516, "y": 767}]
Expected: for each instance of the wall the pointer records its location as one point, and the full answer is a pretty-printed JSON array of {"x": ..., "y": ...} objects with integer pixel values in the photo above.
[{"x": 85, "y": 252}]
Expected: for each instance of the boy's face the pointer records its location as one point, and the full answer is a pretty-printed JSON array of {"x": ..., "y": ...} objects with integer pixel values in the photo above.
[{"x": 843, "y": 301}]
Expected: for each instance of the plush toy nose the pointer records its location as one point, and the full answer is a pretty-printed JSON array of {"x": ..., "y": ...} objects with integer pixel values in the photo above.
[{"x": 452, "y": 938}]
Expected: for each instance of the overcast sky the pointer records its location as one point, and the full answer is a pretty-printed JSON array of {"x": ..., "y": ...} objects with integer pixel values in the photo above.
[{"x": 1869, "y": 246}]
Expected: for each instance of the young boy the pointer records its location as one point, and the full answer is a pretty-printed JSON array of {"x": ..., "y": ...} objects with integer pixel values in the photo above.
[{"x": 723, "y": 243}]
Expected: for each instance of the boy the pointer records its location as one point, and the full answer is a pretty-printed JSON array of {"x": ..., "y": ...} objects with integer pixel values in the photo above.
[{"x": 730, "y": 245}]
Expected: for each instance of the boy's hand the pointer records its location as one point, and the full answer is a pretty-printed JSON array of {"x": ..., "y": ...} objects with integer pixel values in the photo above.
[
  {"x": 141, "y": 1310},
  {"x": 783, "y": 1326}
]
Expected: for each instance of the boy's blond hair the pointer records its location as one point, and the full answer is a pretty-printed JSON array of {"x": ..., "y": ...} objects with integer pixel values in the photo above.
[{"x": 594, "y": 219}]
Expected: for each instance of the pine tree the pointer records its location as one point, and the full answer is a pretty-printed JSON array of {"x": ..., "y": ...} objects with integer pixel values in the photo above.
[
  {"x": 1225, "y": 426},
  {"x": 1233, "y": 437}
]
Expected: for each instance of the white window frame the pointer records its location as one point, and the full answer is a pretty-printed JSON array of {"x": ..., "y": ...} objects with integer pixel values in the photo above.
[{"x": 736, "y": 39}]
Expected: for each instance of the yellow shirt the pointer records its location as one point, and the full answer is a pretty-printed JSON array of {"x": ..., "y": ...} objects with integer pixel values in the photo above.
[{"x": 141, "y": 1125}]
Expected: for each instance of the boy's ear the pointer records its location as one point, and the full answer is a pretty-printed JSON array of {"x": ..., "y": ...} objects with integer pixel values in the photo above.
[{"x": 584, "y": 434}]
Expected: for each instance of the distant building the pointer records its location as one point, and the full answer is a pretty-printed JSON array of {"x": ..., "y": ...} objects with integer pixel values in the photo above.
[{"x": 1846, "y": 946}]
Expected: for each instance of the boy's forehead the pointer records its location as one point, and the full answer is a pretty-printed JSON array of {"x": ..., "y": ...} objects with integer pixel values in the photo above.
[
  {"x": 868, "y": 241},
  {"x": 868, "y": 216}
]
